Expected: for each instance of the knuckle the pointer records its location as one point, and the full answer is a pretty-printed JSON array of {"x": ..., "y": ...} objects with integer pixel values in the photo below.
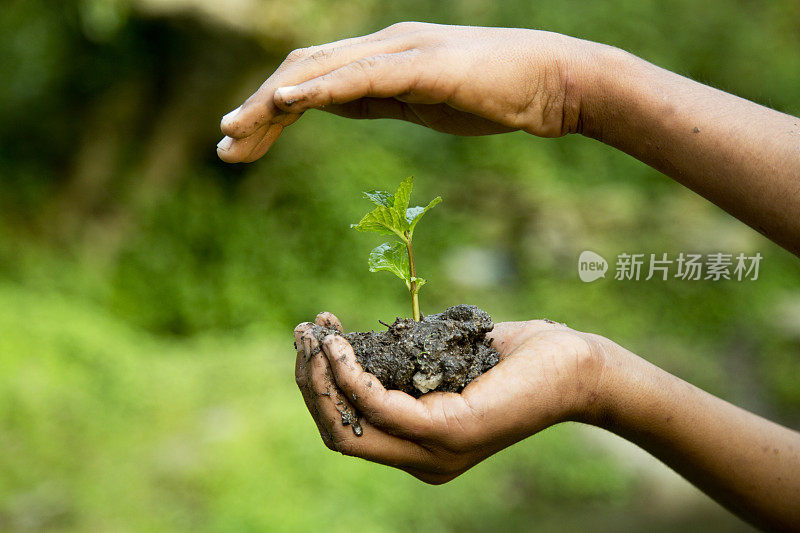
[
  {"x": 327, "y": 318},
  {"x": 598, "y": 350},
  {"x": 297, "y": 54},
  {"x": 365, "y": 63},
  {"x": 405, "y": 25},
  {"x": 309, "y": 337},
  {"x": 330, "y": 340},
  {"x": 302, "y": 327},
  {"x": 321, "y": 55}
]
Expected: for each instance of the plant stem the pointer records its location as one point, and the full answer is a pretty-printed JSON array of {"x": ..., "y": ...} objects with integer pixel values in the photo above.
[{"x": 413, "y": 286}]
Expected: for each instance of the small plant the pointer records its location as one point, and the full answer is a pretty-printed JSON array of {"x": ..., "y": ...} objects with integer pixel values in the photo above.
[{"x": 392, "y": 216}]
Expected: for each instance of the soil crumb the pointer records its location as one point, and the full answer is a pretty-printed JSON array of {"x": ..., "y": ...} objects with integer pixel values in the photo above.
[{"x": 441, "y": 352}]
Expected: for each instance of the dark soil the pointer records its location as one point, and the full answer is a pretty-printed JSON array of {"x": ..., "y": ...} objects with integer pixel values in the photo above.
[{"x": 442, "y": 352}]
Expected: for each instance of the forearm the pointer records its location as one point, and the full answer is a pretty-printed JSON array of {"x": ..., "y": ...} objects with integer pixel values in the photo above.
[
  {"x": 745, "y": 462},
  {"x": 742, "y": 156}
]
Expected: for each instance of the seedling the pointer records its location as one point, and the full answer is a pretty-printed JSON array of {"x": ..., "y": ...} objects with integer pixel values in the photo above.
[{"x": 392, "y": 216}]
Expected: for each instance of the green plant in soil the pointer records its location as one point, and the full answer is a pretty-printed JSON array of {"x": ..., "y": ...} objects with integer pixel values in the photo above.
[{"x": 392, "y": 216}]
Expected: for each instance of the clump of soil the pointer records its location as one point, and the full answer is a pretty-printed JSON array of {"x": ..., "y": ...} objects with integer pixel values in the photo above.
[{"x": 442, "y": 352}]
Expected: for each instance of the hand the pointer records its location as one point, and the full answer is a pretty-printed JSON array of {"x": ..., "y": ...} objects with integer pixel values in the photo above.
[
  {"x": 548, "y": 373},
  {"x": 456, "y": 79}
]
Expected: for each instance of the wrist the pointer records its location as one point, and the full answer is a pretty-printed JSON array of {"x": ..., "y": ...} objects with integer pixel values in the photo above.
[
  {"x": 565, "y": 73},
  {"x": 604, "y": 80},
  {"x": 631, "y": 394},
  {"x": 603, "y": 383}
]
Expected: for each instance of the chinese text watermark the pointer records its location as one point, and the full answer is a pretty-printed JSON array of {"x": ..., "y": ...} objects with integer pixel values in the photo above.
[{"x": 684, "y": 266}]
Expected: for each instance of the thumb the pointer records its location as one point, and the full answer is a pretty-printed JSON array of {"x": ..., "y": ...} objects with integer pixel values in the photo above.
[{"x": 381, "y": 76}]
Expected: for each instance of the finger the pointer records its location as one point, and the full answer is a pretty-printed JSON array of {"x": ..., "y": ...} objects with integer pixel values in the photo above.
[
  {"x": 300, "y": 372},
  {"x": 414, "y": 460},
  {"x": 329, "y": 320},
  {"x": 371, "y": 108},
  {"x": 250, "y": 148},
  {"x": 380, "y": 76},
  {"x": 302, "y": 382},
  {"x": 233, "y": 150},
  {"x": 527, "y": 405},
  {"x": 374, "y": 444},
  {"x": 270, "y": 137},
  {"x": 273, "y": 132},
  {"x": 391, "y": 410},
  {"x": 348, "y": 415},
  {"x": 302, "y": 65}
]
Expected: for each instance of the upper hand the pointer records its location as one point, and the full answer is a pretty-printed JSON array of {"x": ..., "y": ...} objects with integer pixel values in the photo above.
[
  {"x": 456, "y": 79},
  {"x": 547, "y": 373}
]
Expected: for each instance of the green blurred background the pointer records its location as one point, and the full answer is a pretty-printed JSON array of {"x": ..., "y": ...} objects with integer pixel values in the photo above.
[{"x": 148, "y": 291}]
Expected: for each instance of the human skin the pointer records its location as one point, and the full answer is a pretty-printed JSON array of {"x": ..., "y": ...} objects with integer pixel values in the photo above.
[
  {"x": 547, "y": 374},
  {"x": 477, "y": 81}
]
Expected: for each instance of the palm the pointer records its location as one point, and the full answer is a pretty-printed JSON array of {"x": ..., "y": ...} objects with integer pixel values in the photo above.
[
  {"x": 436, "y": 116},
  {"x": 537, "y": 383},
  {"x": 523, "y": 393}
]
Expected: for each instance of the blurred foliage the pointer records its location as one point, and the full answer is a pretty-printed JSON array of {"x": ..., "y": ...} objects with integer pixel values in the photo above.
[{"x": 147, "y": 290}]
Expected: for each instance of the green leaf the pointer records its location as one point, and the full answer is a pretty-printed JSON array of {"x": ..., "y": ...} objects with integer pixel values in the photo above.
[
  {"x": 403, "y": 194},
  {"x": 413, "y": 214},
  {"x": 383, "y": 220},
  {"x": 420, "y": 282},
  {"x": 391, "y": 256},
  {"x": 380, "y": 198}
]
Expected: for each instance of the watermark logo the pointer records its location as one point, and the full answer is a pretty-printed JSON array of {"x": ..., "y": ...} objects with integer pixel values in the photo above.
[
  {"x": 684, "y": 266},
  {"x": 591, "y": 266}
]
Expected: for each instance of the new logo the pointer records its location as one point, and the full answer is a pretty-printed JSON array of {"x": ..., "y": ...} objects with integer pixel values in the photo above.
[{"x": 591, "y": 266}]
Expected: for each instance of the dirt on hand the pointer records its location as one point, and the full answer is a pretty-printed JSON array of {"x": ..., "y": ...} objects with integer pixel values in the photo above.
[{"x": 441, "y": 352}]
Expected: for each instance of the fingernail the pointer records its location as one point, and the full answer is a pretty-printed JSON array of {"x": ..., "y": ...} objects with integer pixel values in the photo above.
[
  {"x": 225, "y": 144},
  {"x": 288, "y": 94},
  {"x": 232, "y": 115}
]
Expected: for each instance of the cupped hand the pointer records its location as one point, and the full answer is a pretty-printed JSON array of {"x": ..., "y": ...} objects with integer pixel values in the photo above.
[
  {"x": 457, "y": 79},
  {"x": 548, "y": 373}
]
